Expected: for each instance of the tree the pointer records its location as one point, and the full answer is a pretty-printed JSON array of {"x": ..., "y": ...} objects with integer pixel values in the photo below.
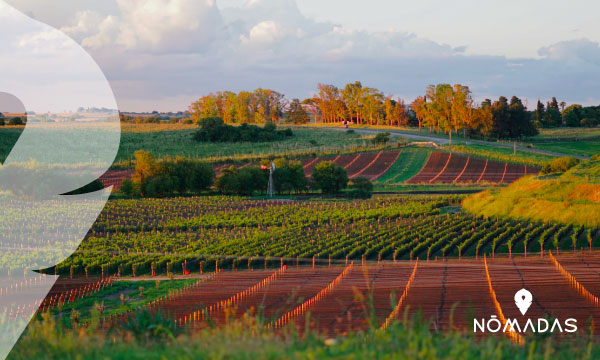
[
  {"x": 352, "y": 94},
  {"x": 296, "y": 113},
  {"x": 361, "y": 188},
  {"x": 462, "y": 108},
  {"x": 146, "y": 166},
  {"x": 419, "y": 106},
  {"x": 540, "y": 111},
  {"x": 329, "y": 177},
  {"x": 572, "y": 115},
  {"x": 288, "y": 176}
]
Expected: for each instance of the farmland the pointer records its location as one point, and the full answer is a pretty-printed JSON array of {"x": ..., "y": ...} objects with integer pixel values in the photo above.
[{"x": 199, "y": 234}]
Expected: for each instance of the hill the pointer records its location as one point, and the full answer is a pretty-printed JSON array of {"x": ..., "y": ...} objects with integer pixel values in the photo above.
[{"x": 571, "y": 198}]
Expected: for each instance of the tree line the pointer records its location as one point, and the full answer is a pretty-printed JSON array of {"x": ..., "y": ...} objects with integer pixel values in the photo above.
[{"x": 443, "y": 108}]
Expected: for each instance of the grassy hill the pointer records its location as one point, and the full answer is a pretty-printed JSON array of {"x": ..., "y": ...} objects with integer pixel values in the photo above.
[{"x": 572, "y": 198}]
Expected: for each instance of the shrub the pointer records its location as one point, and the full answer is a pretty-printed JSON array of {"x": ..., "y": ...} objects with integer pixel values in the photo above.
[
  {"x": 361, "y": 188},
  {"x": 127, "y": 187},
  {"x": 2, "y": 121},
  {"x": 157, "y": 179},
  {"x": 16, "y": 121},
  {"x": 215, "y": 130},
  {"x": 381, "y": 138},
  {"x": 561, "y": 164},
  {"x": 244, "y": 181},
  {"x": 595, "y": 157},
  {"x": 329, "y": 177}
]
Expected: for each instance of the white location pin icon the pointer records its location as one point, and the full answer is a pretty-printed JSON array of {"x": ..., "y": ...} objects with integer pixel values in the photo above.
[{"x": 523, "y": 299}]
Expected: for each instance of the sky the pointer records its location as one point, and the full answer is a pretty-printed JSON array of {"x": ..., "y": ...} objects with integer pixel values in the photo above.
[{"x": 163, "y": 54}]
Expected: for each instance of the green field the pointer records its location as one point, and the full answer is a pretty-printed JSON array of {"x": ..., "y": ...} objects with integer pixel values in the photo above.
[
  {"x": 305, "y": 142},
  {"x": 409, "y": 163},
  {"x": 579, "y": 148}
]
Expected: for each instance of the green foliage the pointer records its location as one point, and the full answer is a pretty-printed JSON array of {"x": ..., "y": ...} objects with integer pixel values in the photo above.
[
  {"x": 244, "y": 181},
  {"x": 214, "y": 130},
  {"x": 560, "y": 165},
  {"x": 288, "y": 176},
  {"x": 296, "y": 113},
  {"x": 127, "y": 187},
  {"x": 247, "y": 338},
  {"x": 382, "y": 138},
  {"x": 2, "y": 121},
  {"x": 329, "y": 177},
  {"x": 166, "y": 177},
  {"x": 360, "y": 188},
  {"x": 16, "y": 121},
  {"x": 148, "y": 326}
]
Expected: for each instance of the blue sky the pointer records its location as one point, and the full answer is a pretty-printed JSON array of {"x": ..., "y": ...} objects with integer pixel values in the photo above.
[{"x": 162, "y": 54}]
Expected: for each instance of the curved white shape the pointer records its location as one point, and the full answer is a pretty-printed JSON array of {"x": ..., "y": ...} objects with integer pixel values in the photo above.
[{"x": 60, "y": 150}]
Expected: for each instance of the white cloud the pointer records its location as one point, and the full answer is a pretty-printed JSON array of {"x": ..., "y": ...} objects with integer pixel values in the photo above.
[{"x": 167, "y": 51}]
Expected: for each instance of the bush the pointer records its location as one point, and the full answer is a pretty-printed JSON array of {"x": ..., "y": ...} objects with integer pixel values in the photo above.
[
  {"x": 2, "y": 121},
  {"x": 382, "y": 138},
  {"x": 595, "y": 157},
  {"x": 244, "y": 181},
  {"x": 361, "y": 188},
  {"x": 127, "y": 187},
  {"x": 560, "y": 165},
  {"x": 164, "y": 178},
  {"x": 16, "y": 121},
  {"x": 329, "y": 177},
  {"x": 288, "y": 176},
  {"x": 215, "y": 130}
]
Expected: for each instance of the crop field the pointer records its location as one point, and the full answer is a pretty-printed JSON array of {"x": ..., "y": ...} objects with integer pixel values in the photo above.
[
  {"x": 455, "y": 168},
  {"x": 341, "y": 298},
  {"x": 392, "y": 167},
  {"x": 180, "y": 235}
]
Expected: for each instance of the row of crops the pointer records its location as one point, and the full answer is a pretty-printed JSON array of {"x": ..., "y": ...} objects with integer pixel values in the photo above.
[{"x": 199, "y": 234}]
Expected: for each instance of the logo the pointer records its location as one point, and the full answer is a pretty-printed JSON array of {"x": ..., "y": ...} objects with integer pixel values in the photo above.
[{"x": 523, "y": 300}]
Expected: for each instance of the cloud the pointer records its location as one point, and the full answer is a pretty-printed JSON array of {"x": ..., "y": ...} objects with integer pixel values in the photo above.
[
  {"x": 573, "y": 52},
  {"x": 165, "y": 52}
]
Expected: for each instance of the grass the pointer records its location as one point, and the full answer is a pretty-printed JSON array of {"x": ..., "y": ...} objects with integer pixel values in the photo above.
[
  {"x": 503, "y": 154},
  {"x": 567, "y": 134},
  {"x": 111, "y": 297},
  {"x": 572, "y": 198},
  {"x": 249, "y": 339},
  {"x": 410, "y": 162},
  {"x": 580, "y": 148},
  {"x": 168, "y": 141}
]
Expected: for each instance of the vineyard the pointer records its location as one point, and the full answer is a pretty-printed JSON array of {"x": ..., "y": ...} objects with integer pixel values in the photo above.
[
  {"x": 191, "y": 235},
  {"x": 341, "y": 298}
]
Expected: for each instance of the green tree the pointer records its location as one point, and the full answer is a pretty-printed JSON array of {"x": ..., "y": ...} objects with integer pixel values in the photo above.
[
  {"x": 296, "y": 113},
  {"x": 361, "y": 188},
  {"x": 572, "y": 115},
  {"x": 329, "y": 177}
]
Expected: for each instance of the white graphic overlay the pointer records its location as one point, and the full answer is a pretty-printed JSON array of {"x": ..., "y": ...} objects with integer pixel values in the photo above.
[
  {"x": 523, "y": 299},
  {"x": 70, "y": 138}
]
